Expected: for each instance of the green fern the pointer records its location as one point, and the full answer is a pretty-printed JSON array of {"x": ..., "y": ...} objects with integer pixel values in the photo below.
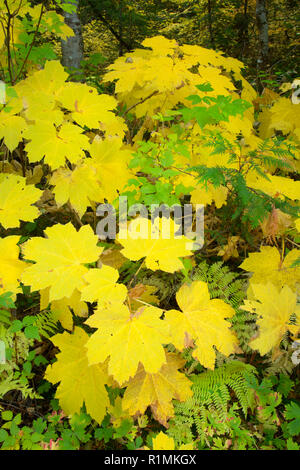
[
  {"x": 46, "y": 324},
  {"x": 212, "y": 393},
  {"x": 6, "y": 303},
  {"x": 212, "y": 387},
  {"x": 10, "y": 383},
  {"x": 244, "y": 326},
  {"x": 5, "y": 317},
  {"x": 222, "y": 283}
]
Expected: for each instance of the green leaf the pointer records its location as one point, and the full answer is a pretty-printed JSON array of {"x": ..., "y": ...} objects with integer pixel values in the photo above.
[
  {"x": 3, "y": 435},
  {"x": 7, "y": 415},
  {"x": 293, "y": 413},
  {"x": 285, "y": 385},
  {"x": 27, "y": 367},
  {"x": 16, "y": 325},
  {"x": 32, "y": 332},
  {"x": 291, "y": 445},
  {"x": 28, "y": 320}
]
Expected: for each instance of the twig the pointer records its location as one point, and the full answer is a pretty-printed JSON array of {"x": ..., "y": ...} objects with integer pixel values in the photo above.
[
  {"x": 141, "y": 101},
  {"x": 32, "y": 43}
]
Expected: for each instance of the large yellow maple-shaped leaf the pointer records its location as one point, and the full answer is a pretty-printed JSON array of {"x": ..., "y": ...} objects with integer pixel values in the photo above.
[
  {"x": 11, "y": 267},
  {"x": 39, "y": 93},
  {"x": 87, "y": 107},
  {"x": 162, "y": 252},
  {"x": 55, "y": 146},
  {"x": 50, "y": 80},
  {"x": 59, "y": 259},
  {"x": 128, "y": 340},
  {"x": 102, "y": 287},
  {"x": 79, "y": 382},
  {"x": 201, "y": 321},
  {"x": 42, "y": 107},
  {"x": 267, "y": 266},
  {"x": 80, "y": 187},
  {"x": 16, "y": 200},
  {"x": 285, "y": 115},
  {"x": 11, "y": 129},
  {"x": 110, "y": 158},
  {"x": 274, "y": 309},
  {"x": 157, "y": 390},
  {"x": 61, "y": 308}
]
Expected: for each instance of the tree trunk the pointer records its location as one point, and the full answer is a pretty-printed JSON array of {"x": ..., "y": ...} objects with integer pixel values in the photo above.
[
  {"x": 263, "y": 31},
  {"x": 245, "y": 34},
  {"x": 72, "y": 48}
]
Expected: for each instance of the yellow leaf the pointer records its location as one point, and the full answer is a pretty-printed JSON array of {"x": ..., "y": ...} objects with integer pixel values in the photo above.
[
  {"x": 80, "y": 187},
  {"x": 274, "y": 309},
  {"x": 161, "y": 253},
  {"x": 11, "y": 129},
  {"x": 201, "y": 320},
  {"x": 79, "y": 382},
  {"x": 39, "y": 93},
  {"x": 11, "y": 268},
  {"x": 102, "y": 287},
  {"x": 161, "y": 45},
  {"x": 267, "y": 266},
  {"x": 61, "y": 308},
  {"x": 210, "y": 194},
  {"x": 42, "y": 107},
  {"x": 109, "y": 158},
  {"x": 59, "y": 259},
  {"x": 158, "y": 390},
  {"x": 278, "y": 185},
  {"x": 87, "y": 107},
  {"x": 68, "y": 142},
  {"x": 50, "y": 80},
  {"x": 285, "y": 115},
  {"x": 163, "y": 442},
  {"x": 16, "y": 200},
  {"x": 128, "y": 340}
]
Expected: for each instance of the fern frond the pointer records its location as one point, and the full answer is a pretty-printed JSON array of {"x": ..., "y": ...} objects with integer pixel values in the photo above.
[
  {"x": 222, "y": 283},
  {"x": 9, "y": 384},
  {"x": 46, "y": 324},
  {"x": 5, "y": 317},
  {"x": 213, "y": 387},
  {"x": 212, "y": 392}
]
